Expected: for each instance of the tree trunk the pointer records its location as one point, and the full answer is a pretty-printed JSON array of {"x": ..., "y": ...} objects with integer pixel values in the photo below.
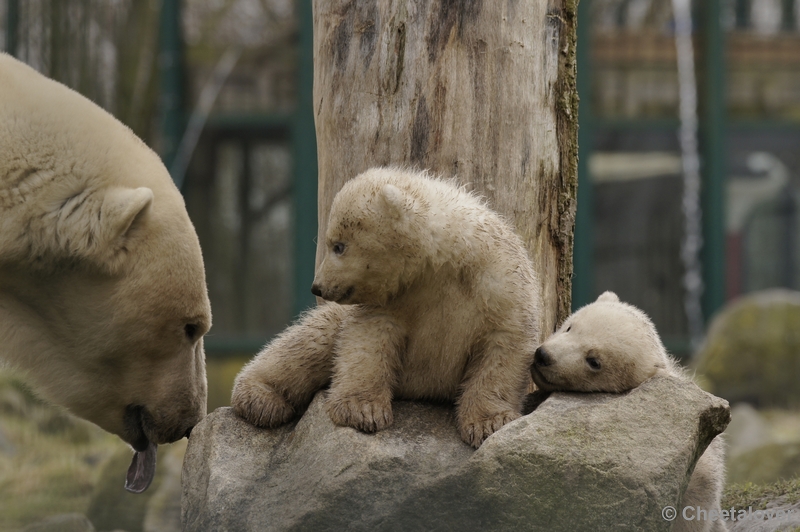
[{"x": 483, "y": 91}]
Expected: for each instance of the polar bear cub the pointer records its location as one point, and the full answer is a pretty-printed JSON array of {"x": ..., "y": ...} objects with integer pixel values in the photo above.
[
  {"x": 611, "y": 346},
  {"x": 431, "y": 296}
]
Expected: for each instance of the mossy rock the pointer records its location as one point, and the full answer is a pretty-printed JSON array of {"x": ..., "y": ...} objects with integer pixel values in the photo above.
[
  {"x": 758, "y": 496},
  {"x": 752, "y": 351},
  {"x": 766, "y": 464}
]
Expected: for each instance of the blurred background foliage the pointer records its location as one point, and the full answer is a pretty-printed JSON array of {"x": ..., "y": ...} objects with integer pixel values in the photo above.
[{"x": 250, "y": 190}]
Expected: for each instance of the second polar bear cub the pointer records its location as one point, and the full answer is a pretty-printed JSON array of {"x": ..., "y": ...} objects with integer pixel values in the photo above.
[
  {"x": 431, "y": 295},
  {"x": 611, "y": 346}
]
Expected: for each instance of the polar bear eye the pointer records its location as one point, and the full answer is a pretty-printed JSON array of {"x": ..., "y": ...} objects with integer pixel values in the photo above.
[
  {"x": 190, "y": 329},
  {"x": 338, "y": 248},
  {"x": 593, "y": 363},
  {"x": 568, "y": 328}
]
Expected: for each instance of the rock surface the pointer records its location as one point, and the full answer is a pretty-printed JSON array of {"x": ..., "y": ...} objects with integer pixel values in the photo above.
[
  {"x": 752, "y": 351},
  {"x": 776, "y": 517},
  {"x": 578, "y": 462}
]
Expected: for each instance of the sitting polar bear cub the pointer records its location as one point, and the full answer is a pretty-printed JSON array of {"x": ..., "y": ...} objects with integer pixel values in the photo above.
[
  {"x": 611, "y": 346},
  {"x": 432, "y": 296},
  {"x": 103, "y": 302}
]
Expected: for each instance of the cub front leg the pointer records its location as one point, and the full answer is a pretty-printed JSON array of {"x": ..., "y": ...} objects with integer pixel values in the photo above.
[
  {"x": 283, "y": 378},
  {"x": 365, "y": 372},
  {"x": 493, "y": 388}
]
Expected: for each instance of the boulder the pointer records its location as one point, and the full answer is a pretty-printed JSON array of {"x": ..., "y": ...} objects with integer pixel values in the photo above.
[
  {"x": 752, "y": 351},
  {"x": 577, "y": 462},
  {"x": 774, "y": 518}
]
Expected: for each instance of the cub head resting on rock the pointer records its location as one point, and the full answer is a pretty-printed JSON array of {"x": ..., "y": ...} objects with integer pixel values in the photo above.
[
  {"x": 432, "y": 296},
  {"x": 611, "y": 346}
]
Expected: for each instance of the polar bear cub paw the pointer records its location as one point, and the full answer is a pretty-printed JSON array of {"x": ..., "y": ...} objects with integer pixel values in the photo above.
[
  {"x": 476, "y": 429},
  {"x": 260, "y": 405},
  {"x": 365, "y": 415}
]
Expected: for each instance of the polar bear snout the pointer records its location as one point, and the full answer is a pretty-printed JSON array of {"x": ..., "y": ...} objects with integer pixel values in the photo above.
[
  {"x": 142, "y": 427},
  {"x": 315, "y": 289},
  {"x": 134, "y": 427},
  {"x": 335, "y": 293},
  {"x": 542, "y": 358}
]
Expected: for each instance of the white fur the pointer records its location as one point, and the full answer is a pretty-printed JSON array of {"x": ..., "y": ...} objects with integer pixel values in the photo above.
[
  {"x": 100, "y": 267},
  {"x": 432, "y": 296},
  {"x": 611, "y": 346}
]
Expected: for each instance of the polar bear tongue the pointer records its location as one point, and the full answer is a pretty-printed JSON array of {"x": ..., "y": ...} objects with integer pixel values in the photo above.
[{"x": 142, "y": 469}]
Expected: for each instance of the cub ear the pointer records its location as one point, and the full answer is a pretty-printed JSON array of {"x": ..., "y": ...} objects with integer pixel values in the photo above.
[
  {"x": 608, "y": 297},
  {"x": 121, "y": 206},
  {"x": 395, "y": 200}
]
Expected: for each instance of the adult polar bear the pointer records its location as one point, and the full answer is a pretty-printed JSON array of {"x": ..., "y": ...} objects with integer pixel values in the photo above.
[{"x": 103, "y": 303}]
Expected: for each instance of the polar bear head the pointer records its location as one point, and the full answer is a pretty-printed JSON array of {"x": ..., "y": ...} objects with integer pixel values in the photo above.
[
  {"x": 606, "y": 346},
  {"x": 103, "y": 302},
  {"x": 376, "y": 240}
]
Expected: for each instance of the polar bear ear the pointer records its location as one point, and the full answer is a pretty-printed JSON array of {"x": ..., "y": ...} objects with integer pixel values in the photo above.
[
  {"x": 395, "y": 199},
  {"x": 93, "y": 224},
  {"x": 121, "y": 206},
  {"x": 608, "y": 296}
]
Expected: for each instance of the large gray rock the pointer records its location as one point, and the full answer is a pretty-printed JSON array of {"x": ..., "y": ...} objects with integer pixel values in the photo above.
[{"x": 578, "y": 462}]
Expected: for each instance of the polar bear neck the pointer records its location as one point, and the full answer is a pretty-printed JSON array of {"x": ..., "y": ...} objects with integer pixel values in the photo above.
[{"x": 462, "y": 233}]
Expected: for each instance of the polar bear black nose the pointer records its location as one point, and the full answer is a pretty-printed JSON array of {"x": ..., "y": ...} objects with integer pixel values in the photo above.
[
  {"x": 541, "y": 358},
  {"x": 315, "y": 290}
]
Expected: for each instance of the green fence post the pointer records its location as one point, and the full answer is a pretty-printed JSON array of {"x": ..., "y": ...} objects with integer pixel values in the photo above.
[
  {"x": 583, "y": 274},
  {"x": 170, "y": 68},
  {"x": 742, "y": 13},
  {"x": 304, "y": 142},
  {"x": 713, "y": 146},
  {"x": 787, "y": 15},
  {"x": 12, "y": 27}
]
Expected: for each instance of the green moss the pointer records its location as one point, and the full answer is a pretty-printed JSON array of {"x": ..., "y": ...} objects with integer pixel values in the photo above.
[{"x": 748, "y": 494}]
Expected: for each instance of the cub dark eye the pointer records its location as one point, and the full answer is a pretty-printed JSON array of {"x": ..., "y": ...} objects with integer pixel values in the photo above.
[
  {"x": 568, "y": 328},
  {"x": 190, "y": 330},
  {"x": 593, "y": 363},
  {"x": 338, "y": 248}
]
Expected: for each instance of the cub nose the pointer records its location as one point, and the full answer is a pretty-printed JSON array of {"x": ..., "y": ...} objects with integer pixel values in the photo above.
[
  {"x": 542, "y": 358},
  {"x": 316, "y": 290}
]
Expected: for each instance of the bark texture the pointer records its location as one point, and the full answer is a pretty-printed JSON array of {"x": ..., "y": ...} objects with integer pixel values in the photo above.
[{"x": 483, "y": 91}]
